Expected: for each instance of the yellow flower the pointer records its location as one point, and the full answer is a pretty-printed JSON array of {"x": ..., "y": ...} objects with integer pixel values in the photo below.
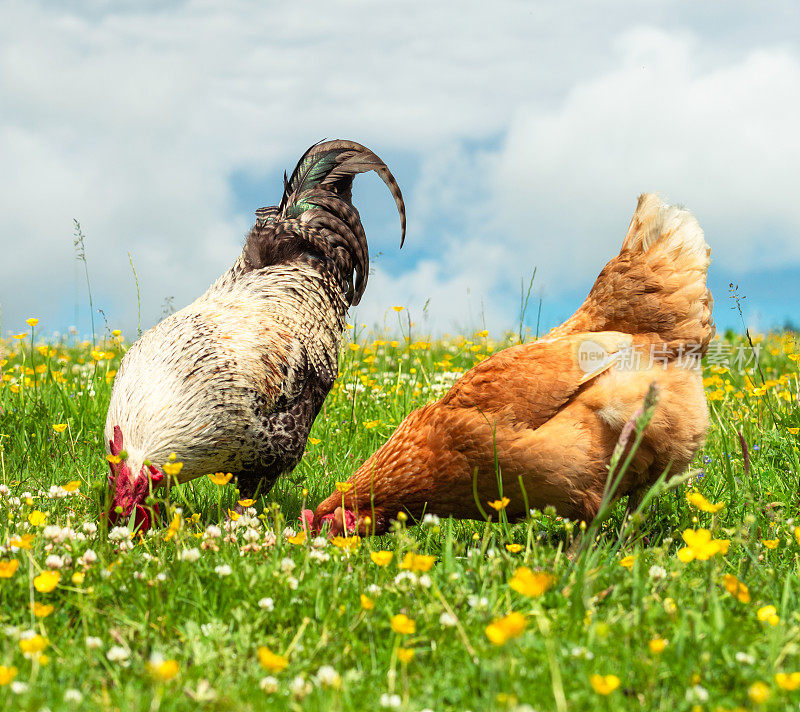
[
  {"x": 33, "y": 321},
  {"x": 405, "y": 655},
  {"x": 701, "y": 546},
  {"x": 604, "y": 684},
  {"x": 113, "y": 459},
  {"x": 499, "y": 504},
  {"x": 759, "y": 693},
  {"x": 46, "y": 581},
  {"x": 8, "y": 568},
  {"x": 402, "y": 624},
  {"x": 116, "y": 333},
  {"x": 514, "y": 548},
  {"x": 354, "y": 347},
  {"x": 797, "y": 534},
  {"x": 21, "y": 335},
  {"x": 233, "y": 515},
  {"x": 59, "y": 427},
  {"x": 371, "y": 424},
  {"x": 530, "y": 583},
  {"x": 398, "y": 309},
  {"x": 271, "y": 661},
  {"x": 367, "y": 603},
  {"x": 501, "y": 630},
  {"x": 22, "y": 542},
  {"x": 793, "y": 431},
  {"x": 344, "y": 487},
  {"x": 627, "y": 561},
  {"x": 246, "y": 503},
  {"x": 346, "y": 543},
  {"x": 163, "y": 670},
  {"x": 314, "y": 441},
  {"x": 37, "y": 518},
  {"x": 298, "y": 539},
  {"x": 98, "y": 355},
  {"x": 78, "y": 577},
  {"x": 736, "y": 588},
  {"x": 657, "y": 645},
  {"x": 788, "y": 681},
  {"x": 220, "y": 478},
  {"x": 71, "y": 486},
  {"x": 698, "y": 500},
  {"x": 7, "y": 674},
  {"x": 174, "y": 527},
  {"x": 33, "y": 645},
  {"x": 381, "y": 558},
  {"x": 770, "y": 543},
  {"x": 42, "y": 610},
  {"x": 768, "y": 614},
  {"x": 417, "y": 562},
  {"x": 173, "y": 469}
]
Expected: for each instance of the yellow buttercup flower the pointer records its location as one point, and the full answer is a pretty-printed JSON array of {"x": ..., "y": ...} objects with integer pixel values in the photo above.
[
  {"x": 398, "y": 309},
  {"x": 298, "y": 539},
  {"x": 758, "y": 692},
  {"x": 7, "y": 674},
  {"x": 793, "y": 431},
  {"x": 346, "y": 543},
  {"x": 501, "y": 630},
  {"x": 21, "y": 335},
  {"x": 42, "y": 610},
  {"x": 71, "y": 486},
  {"x": 736, "y": 588},
  {"x": 701, "y": 546},
  {"x": 59, "y": 427},
  {"x": 604, "y": 684},
  {"x": 657, "y": 645},
  {"x": 366, "y": 602},
  {"x": 314, "y": 441},
  {"x": 78, "y": 578},
  {"x": 246, "y": 503},
  {"x": 417, "y": 562},
  {"x": 173, "y": 469},
  {"x": 530, "y": 583},
  {"x": 46, "y": 581},
  {"x": 381, "y": 558},
  {"x": 627, "y": 561},
  {"x": 770, "y": 543},
  {"x": 372, "y": 424},
  {"x": 33, "y": 645},
  {"x": 344, "y": 487},
  {"x": 114, "y": 459},
  {"x": 37, "y": 518},
  {"x": 220, "y": 478},
  {"x": 514, "y": 548},
  {"x": 33, "y": 321},
  {"x": 405, "y": 655},
  {"x": 402, "y": 624},
  {"x": 163, "y": 670},
  {"x": 698, "y": 500},
  {"x": 22, "y": 542},
  {"x": 272, "y": 661},
  {"x": 768, "y": 614},
  {"x": 788, "y": 681},
  {"x": 499, "y": 504},
  {"x": 8, "y": 568},
  {"x": 174, "y": 527}
]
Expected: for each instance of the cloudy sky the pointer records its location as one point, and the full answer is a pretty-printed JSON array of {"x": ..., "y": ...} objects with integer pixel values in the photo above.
[{"x": 520, "y": 132}]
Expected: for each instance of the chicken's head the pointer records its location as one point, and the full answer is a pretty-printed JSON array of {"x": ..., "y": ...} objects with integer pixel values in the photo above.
[
  {"x": 129, "y": 490},
  {"x": 351, "y": 513}
]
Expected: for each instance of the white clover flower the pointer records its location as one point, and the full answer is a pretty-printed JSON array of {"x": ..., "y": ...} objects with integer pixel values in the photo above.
[
  {"x": 478, "y": 602},
  {"x": 698, "y": 693},
  {"x": 26, "y": 495},
  {"x": 139, "y": 575},
  {"x": 447, "y": 620},
  {"x": 319, "y": 556},
  {"x": 292, "y": 583},
  {"x": 251, "y": 535},
  {"x": 93, "y": 643},
  {"x": 4, "y": 491},
  {"x": 120, "y": 534},
  {"x": 429, "y": 521},
  {"x": 89, "y": 527},
  {"x": 269, "y": 538},
  {"x": 267, "y": 604},
  {"x": 213, "y": 531},
  {"x": 425, "y": 581},
  {"x": 190, "y": 555},
  {"x": 289, "y": 532},
  {"x": 328, "y": 677},
  {"x": 657, "y": 572},
  {"x": 54, "y": 562},
  {"x": 18, "y": 688},
  {"x": 118, "y": 654},
  {"x": 373, "y": 589},
  {"x": 580, "y": 651},
  {"x": 223, "y": 570},
  {"x": 744, "y": 658},
  {"x": 300, "y": 688},
  {"x": 14, "y": 501},
  {"x": 57, "y": 492},
  {"x": 319, "y": 542},
  {"x": 405, "y": 577},
  {"x": 52, "y": 532},
  {"x": 161, "y": 577},
  {"x": 269, "y": 684},
  {"x": 88, "y": 558},
  {"x": 287, "y": 565},
  {"x": 390, "y": 701},
  {"x": 73, "y": 696}
]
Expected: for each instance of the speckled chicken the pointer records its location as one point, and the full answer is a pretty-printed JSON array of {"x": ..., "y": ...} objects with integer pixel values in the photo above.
[
  {"x": 547, "y": 415},
  {"x": 234, "y": 381}
]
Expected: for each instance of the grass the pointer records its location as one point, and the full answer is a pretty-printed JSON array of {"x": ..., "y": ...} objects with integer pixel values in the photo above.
[{"x": 248, "y": 620}]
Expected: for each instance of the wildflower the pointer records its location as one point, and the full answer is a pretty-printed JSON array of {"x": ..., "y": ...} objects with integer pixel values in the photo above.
[
  {"x": 190, "y": 555},
  {"x": 122, "y": 533},
  {"x": 768, "y": 614},
  {"x": 271, "y": 661},
  {"x": 788, "y": 681},
  {"x": 54, "y": 562},
  {"x": 172, "y": 530},
  {"x": 7, "y": 674},
  {"x": 530, "y": 583},
  {"x": 19, "y": 688},
  {"x": 21, "y": 335},
  {"x": 71, "y": 486},
  {"x": 405, "y": 655},
  {"x": 266, "y": 604},
  {"x": 328, "y": 677},
  {"x": 417, "y": 562},
  {"x": 73, "y": 696},
  {"x": 93, "y": 643},
  {"x": 499, "y": 504},
  {"x": 758, "y": 692},
  {"x": 287, "y": 565},
  {"x": 402, "y": 624},
  {"x": 736, "y": 588},
  {"x": 172, "y": 469},
  {"x": 398, "y": 309},
  {"x": 300, "y": 687},
  {"x": 657, "y": 572},
  {"x": 33, "y": 321},
  {"x": 346, "y": 543},
  {"x": 314, "y": 441},
  {"x": 269, "y": 684},
  {"x": 78, "y": 577},
  {"x": 366, "y": 602},
  {"x": 447, "y": 620},
  {"x": 344, "y": 487},
  {"x": 223, "y": 570},
  {"x": 701, "y": 546},
  {"x": 744, "y": 658},
  {"x": 8, "y": 568},
  {"x": 604, "y": 684},
  {"x": 657, "y": 645},
  {"x": 31, "y": 643},
  {"x": 46, "y": 581},
  {"x": 37, "y": 518},
  {"x": 390, "y": 701},
  {"x": 89, "y": 527},
  {"x": 22, "y": 542},
  {"x": 370, "y": 424},
  {"x": 501, "y": 630},
  {"x": 163, "y": 670},
  {"x": 381, "y": 558},
  {"x": 514, "y": 548},
  {"x": 770, "y": 543},
  {"x": 59, "y": 427},
  {"x": 118, "y": 654},
  {"x": 220, "y": 478},
  {"x": 698, "y": 500},
  {"x": 42, "y": 610},
  {"x": 430, "y": 521},
  {"x": 627, "y": 562}
]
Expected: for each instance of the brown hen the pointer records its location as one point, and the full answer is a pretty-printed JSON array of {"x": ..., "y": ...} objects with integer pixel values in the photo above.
[{"x": 549, "y": 413}]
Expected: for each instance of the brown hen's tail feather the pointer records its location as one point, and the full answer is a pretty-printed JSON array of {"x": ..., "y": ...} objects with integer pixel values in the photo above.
[
  {"x": 657, "y": 283},
  {"x": 316, "y": 214}
]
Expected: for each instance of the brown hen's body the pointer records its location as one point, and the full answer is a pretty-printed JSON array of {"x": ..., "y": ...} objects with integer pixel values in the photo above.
[{"x": 550, "y": 413}]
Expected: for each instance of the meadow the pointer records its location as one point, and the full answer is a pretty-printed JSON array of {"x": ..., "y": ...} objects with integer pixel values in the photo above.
[{"x": 690, "y": 604}]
